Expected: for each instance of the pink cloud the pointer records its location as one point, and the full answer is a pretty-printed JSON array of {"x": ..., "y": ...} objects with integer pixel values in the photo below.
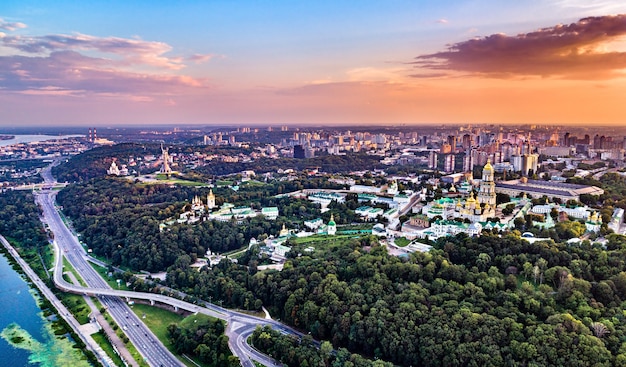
[
  {"x": 79, "y": 64},
  {"x": 130, "y": 51},
  {"x": 11, "y": 26},
  {"x": 69, "y": 70},
  {"x": 51, "y": 91},
  {"x": 567, "y": 51},
  {"x": 199, "y": 58}
]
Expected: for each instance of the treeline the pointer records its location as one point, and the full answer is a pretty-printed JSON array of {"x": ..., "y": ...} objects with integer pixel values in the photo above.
[
  {"x": 613, "y": 184},
  {"x": 328, "y": 163},
  {"x": 295, "y": 352},
  {"x": 19, "y": 219},
  {"x": 204, "y": 339}
]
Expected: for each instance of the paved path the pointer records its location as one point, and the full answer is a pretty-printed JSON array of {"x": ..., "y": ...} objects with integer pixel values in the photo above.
[{"x": 102, "y": 322}]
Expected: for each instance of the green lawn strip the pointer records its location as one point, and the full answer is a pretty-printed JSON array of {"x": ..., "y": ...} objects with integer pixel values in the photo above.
[
  {"x": 252, "y": 183},
  {"x": 238, "y": 254},
  {"x": 68, "y": 267},
  {"x": 163, "y": 179},
  {"x": 76, "y": 305},
  {"x": 190, "y": 183},
  {"x": 171, "y": 182},
  {"x": 105, "y": 344},
  {"x": 260, "y": 314},
  {"x": 97, "y": 303},
  {"x": 158, "y": 319},
  {"x": 32, "y": 257},
  {"x": 401, "y": 242},
  {"x": 323, "y": 239},
  {"x": 236, "y": 251}
]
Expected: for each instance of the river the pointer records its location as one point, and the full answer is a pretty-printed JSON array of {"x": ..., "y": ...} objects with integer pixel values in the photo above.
[
  {"x": 27, "y": 338},
  {"x": 33, "y": 138}
]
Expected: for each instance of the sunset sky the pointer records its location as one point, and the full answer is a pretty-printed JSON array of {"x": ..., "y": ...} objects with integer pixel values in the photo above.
[{"x": 312, "y": 62}]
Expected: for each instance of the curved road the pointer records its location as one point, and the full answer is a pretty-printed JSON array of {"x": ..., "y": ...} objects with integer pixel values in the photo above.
[
  {"x": 153, "y": 352},
  {"x": 239, "y": 326}
]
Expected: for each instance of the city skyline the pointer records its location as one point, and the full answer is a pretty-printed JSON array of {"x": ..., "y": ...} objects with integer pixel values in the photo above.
[{"x": 397, "y": 62}]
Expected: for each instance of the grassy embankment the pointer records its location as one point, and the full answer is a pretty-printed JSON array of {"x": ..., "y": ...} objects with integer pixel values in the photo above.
[
  {"x": 402, "y": 242},
  {"x": 158, "y": 319}
]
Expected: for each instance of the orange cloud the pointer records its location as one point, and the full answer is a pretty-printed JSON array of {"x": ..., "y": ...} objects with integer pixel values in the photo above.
[{"x": 567, "y": 51}]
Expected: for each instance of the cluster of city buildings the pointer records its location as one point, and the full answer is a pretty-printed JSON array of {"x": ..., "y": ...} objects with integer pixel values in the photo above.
[
  {"x": 459, "y": 211},
  {"x": 46, "y": 148},
  {"x": 465, "y": 213}
]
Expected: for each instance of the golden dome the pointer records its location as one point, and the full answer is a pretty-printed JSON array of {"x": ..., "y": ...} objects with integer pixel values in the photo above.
[{"x": 488, "y": 166}]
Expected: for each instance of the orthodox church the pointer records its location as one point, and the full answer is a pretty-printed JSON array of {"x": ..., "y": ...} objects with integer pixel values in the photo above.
[
  {"x": 474, "y": 208},
  {"x": 332, "y": 226},
  {"x": 198, "y": 205},
  {"x": 487, "y": 191}
]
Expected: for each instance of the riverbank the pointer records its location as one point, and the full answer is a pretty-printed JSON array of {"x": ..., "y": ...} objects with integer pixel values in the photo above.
[{"x": 64, "y": 320}]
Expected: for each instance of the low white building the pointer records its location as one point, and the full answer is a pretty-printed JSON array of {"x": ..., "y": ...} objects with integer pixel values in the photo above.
[
  {"x": 314, "y": 224},
  {"x": 270, "y": 213}
]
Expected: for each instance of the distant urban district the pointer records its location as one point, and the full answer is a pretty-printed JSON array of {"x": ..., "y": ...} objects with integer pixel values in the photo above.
[{"x": 472, "y": 245}]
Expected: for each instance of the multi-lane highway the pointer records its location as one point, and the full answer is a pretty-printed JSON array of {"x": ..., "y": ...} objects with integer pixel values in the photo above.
[
  {"x": 67, "y": 245},
  {"x": 239, "y": 326}
]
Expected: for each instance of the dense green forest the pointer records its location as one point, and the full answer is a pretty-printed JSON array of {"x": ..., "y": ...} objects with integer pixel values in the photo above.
[
  {"x": 294, "y": 352},
  {"x": 327, "y": 163},
  {"x": 204, "y": 339},
  {"x": 120, "y": 221},
  {"x": 614, "y": 187},
  {"x": 19, "y": 219},
  {"x": 485, "y": 301},
  {"x": 95, "y": 162}
]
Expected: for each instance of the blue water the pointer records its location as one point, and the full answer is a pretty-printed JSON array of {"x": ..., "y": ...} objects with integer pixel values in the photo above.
[
  {"x": 33, "y": 138},
  {"x": 17, "y": 305}
]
